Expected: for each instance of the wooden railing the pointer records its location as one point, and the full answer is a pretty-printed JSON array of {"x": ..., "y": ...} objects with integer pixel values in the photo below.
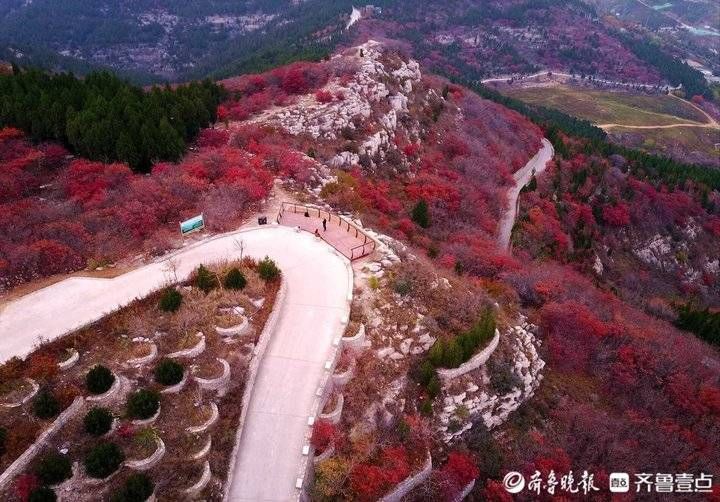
[{"x": 369, "y": 244}]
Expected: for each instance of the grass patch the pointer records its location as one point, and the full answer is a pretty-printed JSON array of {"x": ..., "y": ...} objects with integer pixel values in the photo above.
[{"x": 605, "y": 107}]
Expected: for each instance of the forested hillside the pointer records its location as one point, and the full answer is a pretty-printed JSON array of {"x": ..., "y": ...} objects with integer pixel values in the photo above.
[{"x": 104, "y": 118}]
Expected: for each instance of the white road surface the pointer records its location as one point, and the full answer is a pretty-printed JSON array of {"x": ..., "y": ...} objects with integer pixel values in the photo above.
[
  {"x": 522, "y": 177},
  {"x": 523, "y": 78},
  {"x": 318, "y": 285}
]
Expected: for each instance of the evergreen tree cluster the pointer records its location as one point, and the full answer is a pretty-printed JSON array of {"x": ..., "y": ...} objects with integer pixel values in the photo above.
[
  {"x": 670, "y": 67},
  {"x": 703, "y": 323},
  {"x": 104, "y": 118},
  {"x": 453, "y": 352}
]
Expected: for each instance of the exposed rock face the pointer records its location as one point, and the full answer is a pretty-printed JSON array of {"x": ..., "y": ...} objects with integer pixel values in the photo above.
[
  {"x": 363, "y": 96},
  {"x": 478, "y": 401}
]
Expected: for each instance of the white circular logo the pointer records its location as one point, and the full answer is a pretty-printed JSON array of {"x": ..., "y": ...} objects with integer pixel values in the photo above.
[{"x": 514, "y": 482}]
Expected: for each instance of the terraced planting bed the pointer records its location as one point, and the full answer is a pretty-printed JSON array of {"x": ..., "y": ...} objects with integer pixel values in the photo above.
[{"x": 167, "y": 441}]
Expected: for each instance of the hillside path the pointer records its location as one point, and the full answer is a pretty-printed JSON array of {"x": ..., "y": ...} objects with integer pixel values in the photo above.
[
  {"x": 522, "y": 177},
  {"x": 318, "y": 281}
]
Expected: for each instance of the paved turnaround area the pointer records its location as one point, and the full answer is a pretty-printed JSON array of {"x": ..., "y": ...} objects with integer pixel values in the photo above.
[{"x": 319, "y": 283}]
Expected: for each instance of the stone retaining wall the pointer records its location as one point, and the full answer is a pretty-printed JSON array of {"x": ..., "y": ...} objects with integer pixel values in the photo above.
[
  {"x": 410, "y": 483},
  {"x": 70, "y": 361},
  {"x": 23, "y": 460},
  {"x": 334, "y": 415},
  {"x": 149, "y": 462},
  {"x": 356, "y": 343},
  {"x": 474, "y": 363},
  {"x": 466, "y": 491},
  {"x": 198, "y": 349},
  {"x": 258, "y": 354},
  {"x": 198, "y": 487},
  {"x": 340, "y": 379},
  {"x": 219, "y": 384},
  {"x": 142, "y": 361}
]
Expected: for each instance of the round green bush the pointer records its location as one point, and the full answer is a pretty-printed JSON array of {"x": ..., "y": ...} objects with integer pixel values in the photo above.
[
  {"x": 204, "y": 279},
  {"x": 42, "y": 494},
  {"x": 54, "y": 468},
  {"x": 169, "y": 372},
  {"x": 170, "y": 300},
  {"x": 98, "y": 421},
  {"x": 143, "y": 404},
  {"x": 103, "y": 460},
  {"x": 99, "y": 380},
  {"x": 268, "y": 270},
  {"x": 138, "y": 488},
  {"x": 45, "y": 405},
  {"x": 234, "y": 279}
]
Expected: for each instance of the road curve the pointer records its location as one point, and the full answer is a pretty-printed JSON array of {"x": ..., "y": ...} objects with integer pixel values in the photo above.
[
  {"x": 319, "y": 282},
  {"x": 522, "y": 177}
]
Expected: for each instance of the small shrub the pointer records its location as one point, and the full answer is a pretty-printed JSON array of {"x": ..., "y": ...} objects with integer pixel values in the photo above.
[
  {"x": 234, "y": 279},
  {"x": 268, "y": 270},
  {"x": 373, "y": 282},
  {"x": 323, "y": 434},
  {"x": 103, "y": 460},
  {"x": 98, "y": 421},
  {"x": 169, "y": 372},
  {"x": 502, "y": 378},
  {"x": 170, "y": 300},
  {"x": 433, "y": 387},
  {"x": 421, "y": 214},
  {"x": 54, "y": 468},
  {"x": 42, "y": 494},
  {"x": 24, "y": 485},
  {"x": 204, "y": 279},
  {"x": 426, "y": 407},
  {"x": 99, "y": 380},
  {"x": 138, "y": 488},
  {"x": 454, "y": 426},
  {"x": 143, "y": 404},
  {"x": 403, "y": 287},
  {"x": 3, "y": 441},
  {"x": 45, "y": 405}
]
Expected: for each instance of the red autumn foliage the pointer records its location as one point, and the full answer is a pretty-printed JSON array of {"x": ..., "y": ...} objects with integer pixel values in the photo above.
[
  {"x": 459, "y": 471},
  {"x": 24, "y": 485},
  {"x": 572, "y": 331},
  {"x": 73, "y": 211},
  {"x": 323, "y": 434},
  {"x": 617, "y": 215},
  {"x": 323, "y": 96},
  {"x": 369, "y": 481},
  {"x": 254, "y": 93}
]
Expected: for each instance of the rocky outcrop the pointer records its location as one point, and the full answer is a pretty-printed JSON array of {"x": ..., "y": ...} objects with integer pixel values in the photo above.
[{"x": 477, "y": 400}]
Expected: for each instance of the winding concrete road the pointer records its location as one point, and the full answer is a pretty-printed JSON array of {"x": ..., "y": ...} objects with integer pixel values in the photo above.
[
  {"x": 319, "y": 282},
  {"x": 522, "y": 177}
]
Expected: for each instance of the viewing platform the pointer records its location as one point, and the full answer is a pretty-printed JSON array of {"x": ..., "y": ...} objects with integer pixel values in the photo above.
[{"x": 345, "y": 236}]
